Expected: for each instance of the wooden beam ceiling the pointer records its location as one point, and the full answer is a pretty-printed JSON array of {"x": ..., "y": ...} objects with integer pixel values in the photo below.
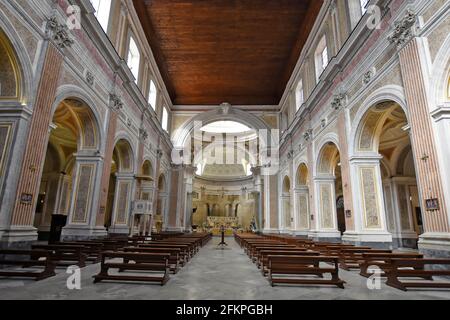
[{"x": 237, "y": 51}]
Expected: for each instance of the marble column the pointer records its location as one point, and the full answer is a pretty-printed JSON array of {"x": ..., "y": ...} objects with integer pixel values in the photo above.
[
  {"x": 122, "y": 204},
  {"x": 324, "y": 226},
  {"x": 370, "y": 213},
  {"x": 301, "y": 198},
  {"x": 84, "y": 204},
  {"x": 413, "y": 57},
  {"x": 21, "y": 227}
]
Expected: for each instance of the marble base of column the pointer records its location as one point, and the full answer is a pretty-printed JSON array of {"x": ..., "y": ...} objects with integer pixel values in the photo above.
[
  {"x": 325, "y": 235},
  {"x": 18, "y": 237},
  {"x": 271, "y": 231},
  {"x": 301, "y": 233},
  {"x": 74, "y": 232},
  {"x": 435, "y": 244},
  {"x": 374, "y": 239},
  {"x": 119, "y": 230}
]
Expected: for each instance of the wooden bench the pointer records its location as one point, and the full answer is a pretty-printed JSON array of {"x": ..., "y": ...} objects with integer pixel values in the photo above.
[
  {"x": 257, "y": 249},
  {"x": 264, "y": 260},
  {"x": 296, "y": 267},
  {"x": 26, "y": 259},
  {"x": 93, "y": 250},
  {"x": 64, "y": 255},
  {"x": 416, "y": 268},
  {"x": 382, "y": 261},
  {"x": 143, "y": 262},
  {"x": 175, "y": 259},
  {"x": 185, "y": 251},
  {"x": 350, "y": 258}
]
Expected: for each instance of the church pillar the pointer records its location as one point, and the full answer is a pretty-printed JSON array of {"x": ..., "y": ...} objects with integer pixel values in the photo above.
[
  {"x": 324, "y": 225},
  {"x": 177, "y": 190},
  {"x": 370, "y": 214},
  {"x": 21, "y": 228},
  {"x": 82, "y": 218},
  {"x": 122, "y": 204},
  {"x": 107, "y": 162},
  {"x": 412, "y": 55},
  {"x": 259, "y": 189},
  {"x": 302, "y": 221}
]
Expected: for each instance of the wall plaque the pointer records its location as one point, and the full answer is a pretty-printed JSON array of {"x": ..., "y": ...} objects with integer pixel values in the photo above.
[
  {"x": 348, "y": 213},
  {"x": 26, "y": 198},
  {"x": 432, "y": 204}
]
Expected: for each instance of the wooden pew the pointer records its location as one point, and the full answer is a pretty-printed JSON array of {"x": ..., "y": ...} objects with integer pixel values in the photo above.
[
  {"x": 146, "y": 262},
  {"x": 382, "y": 261},
  {"x": 298, "y": 266},
  {"x": 254, "y": 254},
  {"x": 26, "y": 259},
  {"x": 185, "y": 251},
  {"x": 253, "y": 250},
  {"x": 264, "y": 260},
  {"x": 175, "y": 259},
  {"x": 416, "y": 268},
  {"x": 350, "y": 258},
  {"x": 64, "y": 255},
  {"x": 93, "y": 250}
]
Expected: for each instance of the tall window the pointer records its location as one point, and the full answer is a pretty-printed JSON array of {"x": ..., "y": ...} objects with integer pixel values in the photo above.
[
  {"x": 165, "y": 119},
  {"x": 364, "y": 4},
  {"x": 299, "y": 95},
  {"x": 152, "y": 95},
  {"x": 134, "y": 58},
  {"x": 321, "y": 57},
  {"x": 102, "y": 11}
]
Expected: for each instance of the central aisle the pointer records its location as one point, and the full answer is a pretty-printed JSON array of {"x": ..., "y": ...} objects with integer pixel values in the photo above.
[{"x": 212, "y": 274}]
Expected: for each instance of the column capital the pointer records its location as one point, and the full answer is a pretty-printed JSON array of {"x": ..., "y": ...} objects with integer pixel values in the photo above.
[{"x": 404, "y": 29}]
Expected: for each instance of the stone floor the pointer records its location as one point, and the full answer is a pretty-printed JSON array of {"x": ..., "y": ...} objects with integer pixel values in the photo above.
[{"x": 212, "y": 274}]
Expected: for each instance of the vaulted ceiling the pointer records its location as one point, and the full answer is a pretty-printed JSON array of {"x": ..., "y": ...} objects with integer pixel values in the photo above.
[{"x": 237, "y": 51}]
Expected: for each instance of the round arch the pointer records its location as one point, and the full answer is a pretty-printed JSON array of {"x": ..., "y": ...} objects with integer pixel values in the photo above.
[
  {"x": 286, "y": 185},
  {"x": 23, "y": 62},
  {"x": 440, "y": 81},
  {"x": 223, "y": 113},
  {"x": 92, "y": 119},
  {"x": 387, "y": 93},
  {"x": 125, "y": 155},
  {"x": 302, "y": 175}
]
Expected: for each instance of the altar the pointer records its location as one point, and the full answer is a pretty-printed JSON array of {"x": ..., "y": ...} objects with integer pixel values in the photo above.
[{"x": 230, "y": 224}]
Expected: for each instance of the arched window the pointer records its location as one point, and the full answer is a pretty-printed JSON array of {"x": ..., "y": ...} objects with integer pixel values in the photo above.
[
  {"x": 299, "y": 95},
  {"x": 165, "y": 119},
  {"x": 152, "y": 94},
  {"x": 134, "y": 58},
  {"x": 321, "y": 57},
  {"x": 102, "y": 12}
]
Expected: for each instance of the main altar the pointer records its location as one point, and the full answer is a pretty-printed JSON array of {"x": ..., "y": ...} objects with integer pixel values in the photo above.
[{"x": 229, "y": 223}]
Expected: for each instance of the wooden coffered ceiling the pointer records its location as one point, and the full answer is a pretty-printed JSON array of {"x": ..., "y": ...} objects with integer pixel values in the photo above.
[{"x": 237, "y": 51}]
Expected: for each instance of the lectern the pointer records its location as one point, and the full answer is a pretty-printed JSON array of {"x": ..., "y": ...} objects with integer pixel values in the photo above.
[{"x": 222, "y": 232}]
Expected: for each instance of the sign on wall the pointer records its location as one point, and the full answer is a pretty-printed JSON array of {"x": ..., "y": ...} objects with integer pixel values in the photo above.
[{"x": 432, "y": 204}]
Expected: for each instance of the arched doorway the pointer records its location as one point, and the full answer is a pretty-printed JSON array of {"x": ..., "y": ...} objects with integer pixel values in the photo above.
[
  {"x": 384, "y": 133},
  {"x": 66, "y": 183},
  {"x": 286, "y": 204},
  {"x": 120, "y": 188},
  {"x": 302, "y": 196},
  {"x": 329, "y": 190}
]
